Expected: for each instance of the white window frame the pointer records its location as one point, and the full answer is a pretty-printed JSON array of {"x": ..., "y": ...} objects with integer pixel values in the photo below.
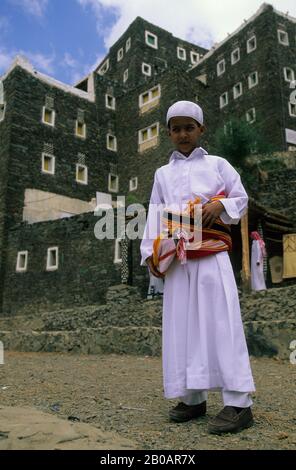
[
  {"x": 51, "y": 124},
  {"x": 18, "y": 268},
  {"x": 291, "y": 107},
  {"x": 219, "y": 71},
  {"x": 110, "y": 189},
  {"x": 235, "y": 93},
  {"x": 117, "y": 251},
  {"x": 84, "y": 130},
  {"x": 181, "y": 50},
  {"x": 192, "y": 54},
  {"x": 286, "y": 76},
  {"x": 52, "y": 157},
  {"x": 147, "y": 34},
  {"x": 120, "y": 54},
  {"x": 80, "y": 165},
  {"x": 285, "y": 42},
  {"x": 104, "y": 67},
  {"x": 113, "y": 105},
  {"x": 222, "y": 103},
  {"x": 233, "y": 59},
  {"x": 251, "y": 84},
  {"x": 249, "y": 47},
  {"x": 133, "y": 187},
  {"x": 128, "y": 44},
  {"x": 125, "y": 75},
  {"x": 56, "y": 266},
  {"x": 108, "y": 140},
  {"x": 140, "y": 141},
  {"x": 148, "y": 74},
  {"x": 2, "y": 115},
  {"x": 150, "y": 93},
  {"x": 253, "y": 111}
]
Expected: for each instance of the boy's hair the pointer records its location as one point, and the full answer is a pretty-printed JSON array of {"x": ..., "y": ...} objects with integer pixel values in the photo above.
[{"x": 198, "y": 124}]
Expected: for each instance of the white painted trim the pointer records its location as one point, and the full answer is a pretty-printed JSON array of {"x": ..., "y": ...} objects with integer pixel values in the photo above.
[
  {"x": 52, "y": 157},
  {"x": 285, "y": 42},
  {"x": 104, "y": 67},
  {"x": 219, "y": 70},
  {"x": 115, "y": 142},
  {"x": 250, "y": 83},
  {"x": 251, "y": 49},
  {"x": 85, "y": 181},
  {"x": 110, "y": 189},
  {"x": 133, "y": 187},
  {"x": 18, "y": 268},
  {"x": 237, "y": 94},
  {"x": 248, "y": 114},
  {"x": 113, "y": 105},
  {"x": 233, "y": 60},
  {"x": 2, "y": 115},
  {"x": 84, "y": 130},
  {"x": 222, "y": 103},
  {"x": 286, "y": 76},
  {"x": 140, "y": 140},
  {"x": 148, "y": 74},
  {"x": 292, "y": 109},
  {"x": 150, "y": 99},
  {"x": 51, "y": 124},
  {"x": 147, "y": 34},
  {"x": 192, "y": 54},
  {"x": 179, "y": 51},
  {"x": 56, "y": 266},
  {"x": 120, "y": 54},
  {"x": 125, "y": 75},
  {"x": 128, "y": 44}
]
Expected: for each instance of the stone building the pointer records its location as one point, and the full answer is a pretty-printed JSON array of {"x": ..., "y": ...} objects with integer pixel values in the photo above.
[{"x": 66, "y": 148}]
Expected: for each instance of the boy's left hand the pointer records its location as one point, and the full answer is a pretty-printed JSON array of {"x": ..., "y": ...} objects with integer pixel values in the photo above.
[{"x": 210, "y": 212}]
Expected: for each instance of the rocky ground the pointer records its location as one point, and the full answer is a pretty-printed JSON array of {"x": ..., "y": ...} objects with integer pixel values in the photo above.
[{"x": 123, "y": 394}]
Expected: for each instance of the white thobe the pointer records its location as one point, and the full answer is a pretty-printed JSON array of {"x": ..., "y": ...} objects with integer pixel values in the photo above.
[
  {"x": 257, "y": 274},
  {"x": 203, "y": 341}
]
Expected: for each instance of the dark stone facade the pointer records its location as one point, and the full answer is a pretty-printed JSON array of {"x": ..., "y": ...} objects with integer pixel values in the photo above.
[{"x": 87, "y": 265}]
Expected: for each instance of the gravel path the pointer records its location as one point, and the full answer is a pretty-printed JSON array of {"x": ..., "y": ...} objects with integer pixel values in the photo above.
[{"x": 124, "y": 394}]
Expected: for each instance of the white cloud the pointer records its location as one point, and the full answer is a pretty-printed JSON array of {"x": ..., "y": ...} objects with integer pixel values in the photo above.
[
  {"x": 42, "y": 62},
  {"x": 33, "y": 7},
  {"x": 200, "y": 22}
]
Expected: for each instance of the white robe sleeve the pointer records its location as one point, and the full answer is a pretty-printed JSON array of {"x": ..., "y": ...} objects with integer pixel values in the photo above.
[
  {"x": 153, "y": 222},
  {"x": 236, "y": 201}
]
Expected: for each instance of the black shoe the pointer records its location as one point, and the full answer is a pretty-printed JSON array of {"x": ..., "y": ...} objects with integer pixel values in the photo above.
[
  {"x": 183, "y": 412},
  {"x": 229, "y": 420}
]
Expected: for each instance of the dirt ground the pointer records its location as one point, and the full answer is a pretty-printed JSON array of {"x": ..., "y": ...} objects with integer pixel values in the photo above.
[{"x": 124, "y": 394}]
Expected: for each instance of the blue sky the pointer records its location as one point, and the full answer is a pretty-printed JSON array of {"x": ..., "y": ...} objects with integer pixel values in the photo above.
[{"x": 67, "y": 38}]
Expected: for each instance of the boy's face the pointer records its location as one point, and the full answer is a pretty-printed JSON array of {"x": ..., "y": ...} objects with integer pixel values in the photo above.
[{"x": 185, "y": 132}]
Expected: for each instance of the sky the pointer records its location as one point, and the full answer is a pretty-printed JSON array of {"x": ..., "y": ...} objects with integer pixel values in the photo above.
[{"x": 66, "y": 39}]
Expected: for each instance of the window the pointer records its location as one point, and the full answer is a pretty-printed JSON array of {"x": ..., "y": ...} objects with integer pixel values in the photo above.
[
  {"x": 2, "y": 111},
  {"x": 117, "y": 251},
  {"x": 181, "y": 53},
  {"x": 251, "y": 115},
  {"x": 151, "y": 39},
  {"x": 111, "y": 142},
  {"x": 104, "y": 67},
  {"x": 237, "y": 90},
  {"x": 251, "y": 44},
  {"x": 292, "y": 109},
  {"x": 48, "y": 163},
  {"x": 253, "y": 79},
  {"x": 283, "y": 37},
  {"x": 81, "y": 173},
  {"x": 235, "y": 56},
  {"x": 52, "y": 262},
  {"x": 228, "y": 130},
  {"x": 80, "y": 129},
  {"x": 128, "y": 44},
  {"x": 149, "y": 96},
  {"x": 48, "y": 116},
  {"x": 110, "y": 101},
  {"x": 125, "y": 75},
  {"x": 289, "y": 74},
  {"x": 148, "y": 133},
  {"x": 133, "y": 183},
  {"x": 146, "y": 69},
  {"x": 22, "y": 261},
  {"x": 224, "y": 100},
  {"x": 113, "y": 183},
  {"x": 194, "y": 57},
  {"x": 119, "y": 54},
  {"x": 221, "y": 67}
]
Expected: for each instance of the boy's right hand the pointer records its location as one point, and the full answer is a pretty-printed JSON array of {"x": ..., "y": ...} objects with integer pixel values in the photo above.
[{"x": 153, "y": 268}]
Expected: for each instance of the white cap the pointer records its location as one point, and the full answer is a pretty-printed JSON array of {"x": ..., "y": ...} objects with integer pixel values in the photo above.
[{"x": 185, "y": 109}]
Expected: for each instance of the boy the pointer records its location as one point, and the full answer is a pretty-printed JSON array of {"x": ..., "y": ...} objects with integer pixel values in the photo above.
[{"x": 203, "y": 341}]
